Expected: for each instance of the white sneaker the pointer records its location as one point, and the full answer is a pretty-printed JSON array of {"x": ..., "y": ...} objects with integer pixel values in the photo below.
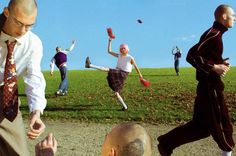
[{"x": 59, "y": 92}]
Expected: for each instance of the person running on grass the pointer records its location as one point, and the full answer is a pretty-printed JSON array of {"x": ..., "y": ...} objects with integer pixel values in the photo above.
[
  {"x": 116, "y": 77},
  {"x": 177, "y": 55},
  {"x": 60, "y": 59},
  {"x": 211, "y": 115}
]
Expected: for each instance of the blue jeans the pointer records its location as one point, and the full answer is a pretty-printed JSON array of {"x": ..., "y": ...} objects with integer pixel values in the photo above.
[{"x": 64, "y": 79}]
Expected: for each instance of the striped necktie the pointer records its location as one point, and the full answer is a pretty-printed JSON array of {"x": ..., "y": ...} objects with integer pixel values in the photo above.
[{"x": 10, "y": 89}]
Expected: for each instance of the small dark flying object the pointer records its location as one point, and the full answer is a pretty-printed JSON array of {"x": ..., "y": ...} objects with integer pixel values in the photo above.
[{"x": 140, "y": 21}]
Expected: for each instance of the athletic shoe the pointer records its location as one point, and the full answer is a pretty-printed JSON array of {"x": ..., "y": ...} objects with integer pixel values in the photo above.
[
  {"x": 59, "y": 93},
  {"x": 124, "y": 109},
  {"x": 65, "y": 93},
  {"x": 87, "y": 63}
]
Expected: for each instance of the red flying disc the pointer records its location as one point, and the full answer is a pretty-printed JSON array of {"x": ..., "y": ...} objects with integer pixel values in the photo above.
[
  {"x": 144, "y": 82},
  {"x": 110, "y": 33}
]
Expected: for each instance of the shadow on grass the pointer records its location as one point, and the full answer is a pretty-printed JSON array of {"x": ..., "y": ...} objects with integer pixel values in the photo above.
[
  {"x": 81, "y": 108},
  {"x": 154, "y": 75},
  {"x": 77, "y": 108},
  {"x": 47, "y": 95},
  {"x": 50, "y": 96},
  {"x": 70, "y": 108}
]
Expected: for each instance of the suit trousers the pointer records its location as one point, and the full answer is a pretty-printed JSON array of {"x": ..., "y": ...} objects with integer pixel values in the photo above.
[{"x": 13, "y": 140}]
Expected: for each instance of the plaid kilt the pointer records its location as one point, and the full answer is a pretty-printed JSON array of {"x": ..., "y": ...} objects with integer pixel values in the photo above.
[{"x": 116, "y": 79}]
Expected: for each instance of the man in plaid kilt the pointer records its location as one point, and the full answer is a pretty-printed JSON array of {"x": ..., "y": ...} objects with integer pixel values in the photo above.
[{"x": 116, "y": 77}]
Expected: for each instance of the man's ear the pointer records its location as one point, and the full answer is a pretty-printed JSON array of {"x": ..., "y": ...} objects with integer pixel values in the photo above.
[
  {"x": 224, "y": 16},
  {"x": 112, "y": 152},
  {"x": 6, "y": 12}
]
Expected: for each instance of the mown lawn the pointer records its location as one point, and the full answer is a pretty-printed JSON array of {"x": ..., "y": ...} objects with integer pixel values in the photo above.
[{"x": 169, "y": 99}]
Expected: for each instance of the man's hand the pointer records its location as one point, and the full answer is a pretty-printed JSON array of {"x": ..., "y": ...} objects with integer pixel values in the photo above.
[
  {"x": 36, "y": 125},
  {"x": 73, "y": 41},
  {"x": 221, "y": 69},
  {"x": 46, "y": 147}
]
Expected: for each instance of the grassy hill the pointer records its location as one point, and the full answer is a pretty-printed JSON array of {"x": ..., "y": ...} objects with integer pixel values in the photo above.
[{"x": 170, "y": 98}]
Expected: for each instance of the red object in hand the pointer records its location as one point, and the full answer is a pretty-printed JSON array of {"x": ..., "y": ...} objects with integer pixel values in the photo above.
[
  {"x": 110, "y": 33},
  {"x": 144, "y": 82}
]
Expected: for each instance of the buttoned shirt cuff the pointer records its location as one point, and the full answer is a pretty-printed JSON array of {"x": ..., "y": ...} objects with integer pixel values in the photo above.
[{"x": 39, "y": 107}]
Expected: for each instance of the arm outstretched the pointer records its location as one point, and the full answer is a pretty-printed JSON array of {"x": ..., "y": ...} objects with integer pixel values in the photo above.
[
  {"x": 136, "y": 68},
  {"x": 110, "y": 49}
]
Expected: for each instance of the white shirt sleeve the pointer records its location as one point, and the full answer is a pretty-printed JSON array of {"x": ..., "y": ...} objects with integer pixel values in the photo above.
[
  {"x": 28, "y": 53},
  {"x": 52, "y": 64},
  {"x": 66, "y": 51},
  {"x": 34, "y": 79}
]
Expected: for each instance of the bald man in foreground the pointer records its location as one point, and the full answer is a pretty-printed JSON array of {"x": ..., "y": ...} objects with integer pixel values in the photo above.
[
  {"x": 211, "y": 116},
  {"x": 127, "y": 139},
  {"x": 21, "y": 52}
]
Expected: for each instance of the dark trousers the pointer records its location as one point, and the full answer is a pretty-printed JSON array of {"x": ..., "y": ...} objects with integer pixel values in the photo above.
[
  {"x": 210, "y": 117},
  {"x": 176, "y": 66}
]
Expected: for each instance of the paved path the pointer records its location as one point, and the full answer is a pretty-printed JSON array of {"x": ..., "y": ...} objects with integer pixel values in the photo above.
[{"x": 86, "y": 139}]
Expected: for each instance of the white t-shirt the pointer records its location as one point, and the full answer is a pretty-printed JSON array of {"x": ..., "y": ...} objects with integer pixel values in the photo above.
[{"x": 124, "y": 62}]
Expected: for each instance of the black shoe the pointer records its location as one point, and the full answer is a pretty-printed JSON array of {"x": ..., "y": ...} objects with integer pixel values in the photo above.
[
  {"x": 161, "y": 148},
  {"x": 124, "y": 109},
  {"x": 87, "y": 63}
]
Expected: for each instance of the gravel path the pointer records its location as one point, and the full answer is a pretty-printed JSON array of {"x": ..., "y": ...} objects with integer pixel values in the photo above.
[{"x": 86, "y": 139}]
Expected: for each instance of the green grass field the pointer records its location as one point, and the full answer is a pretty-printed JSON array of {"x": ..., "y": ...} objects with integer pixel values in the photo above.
[{"x": 169, "y": 99}]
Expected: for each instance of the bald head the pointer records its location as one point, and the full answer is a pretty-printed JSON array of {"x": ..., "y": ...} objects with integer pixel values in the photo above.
[
  {"x": 28, "y": 6},
  {"x": 225, "y": 15},
  {"x": 127, "y": 139},
  {"x": 20, "y": 16}
]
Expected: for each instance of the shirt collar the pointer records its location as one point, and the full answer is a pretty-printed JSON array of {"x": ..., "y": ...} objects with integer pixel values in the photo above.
[
  {"x": 220, "y": 27},
  {"x": 4, "y": 37}
]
